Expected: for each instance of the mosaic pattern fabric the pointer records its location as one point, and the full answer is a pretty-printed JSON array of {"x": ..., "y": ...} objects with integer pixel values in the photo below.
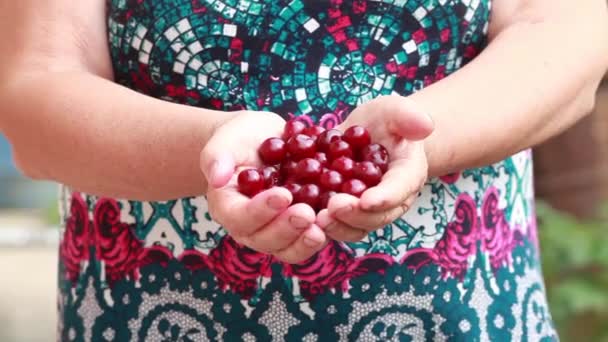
[{"x": 461, "y": 265}]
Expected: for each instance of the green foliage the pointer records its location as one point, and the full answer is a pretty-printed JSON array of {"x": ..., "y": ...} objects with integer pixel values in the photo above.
[{"x": 575, "y": 265}]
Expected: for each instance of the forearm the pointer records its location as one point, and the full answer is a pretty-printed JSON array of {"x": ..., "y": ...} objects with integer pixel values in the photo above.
[
  {"x": 101, "y": 138},
  {"x": 535, "y": 79}
]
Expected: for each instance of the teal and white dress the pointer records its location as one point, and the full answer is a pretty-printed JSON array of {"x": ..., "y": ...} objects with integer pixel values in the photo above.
[{"x": 461, "y": 265}]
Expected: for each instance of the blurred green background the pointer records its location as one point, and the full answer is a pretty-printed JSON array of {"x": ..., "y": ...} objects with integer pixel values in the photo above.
[{"x": 572, "y": 188}]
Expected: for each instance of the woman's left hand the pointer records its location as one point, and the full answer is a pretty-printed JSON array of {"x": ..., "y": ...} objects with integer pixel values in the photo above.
[{"x": 396, "y": 123}]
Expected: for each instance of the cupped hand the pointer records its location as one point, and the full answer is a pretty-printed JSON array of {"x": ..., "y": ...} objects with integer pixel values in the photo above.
[
  {"x": 268, "y": 222},
  {"x": 400, "y": 126}
]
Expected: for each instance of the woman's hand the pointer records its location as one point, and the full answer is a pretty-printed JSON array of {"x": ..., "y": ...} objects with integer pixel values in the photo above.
[
  {"x": 396, "y": 123},
  {"x": 267, "y": 222}
]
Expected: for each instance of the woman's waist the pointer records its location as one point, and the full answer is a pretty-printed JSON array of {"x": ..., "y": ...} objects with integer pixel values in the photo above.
[{"x": 474, "y": 203}]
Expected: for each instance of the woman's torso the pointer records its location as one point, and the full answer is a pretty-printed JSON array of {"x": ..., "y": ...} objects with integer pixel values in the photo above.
[{"x": 461, "y": 265}]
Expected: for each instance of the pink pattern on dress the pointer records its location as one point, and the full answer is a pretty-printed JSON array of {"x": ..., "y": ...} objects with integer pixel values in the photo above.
[
  {"x": 327, "y": 120},
  {"x": 115, "y": 243},
  {"x": 462, "y": 236},
  {"x": 498, "y": 239},
  {"x": 332, "y": 268},
  {"x": 457, "y": 245},
  {"x": 450, "y": 178},
  {"x": 74, "y": 248},
  {"x": 238, "y": 267},
  {"x": 155, "y": 255}
]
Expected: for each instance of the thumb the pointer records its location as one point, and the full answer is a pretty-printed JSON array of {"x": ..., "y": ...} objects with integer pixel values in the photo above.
[
  {"x": 217, "y": 164},
  {"x": 407, "y": 119}
]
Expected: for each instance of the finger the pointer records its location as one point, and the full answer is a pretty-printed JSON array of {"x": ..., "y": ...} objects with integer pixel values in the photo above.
[
  {"x": 242, "y": 216},
  {"x": 342, "y": 203},
  {"x": 406, "y": 118},
  {"x": 283, "y": 231},
  {"x": 404, "y": 179},
  {"x": 372, "y": 220},
  {"x": 235, "y": 143},
  {"x": 312, "y": 241},
  {"x": 217, "y": 164},
  {"x": 337, "y": 230}
]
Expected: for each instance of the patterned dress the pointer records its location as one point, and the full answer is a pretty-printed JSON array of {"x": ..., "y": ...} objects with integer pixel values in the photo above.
[{"x": 461, "y": 265}]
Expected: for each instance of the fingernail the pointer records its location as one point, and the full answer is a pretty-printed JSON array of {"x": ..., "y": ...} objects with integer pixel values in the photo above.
[
  {"x": 220, "y": 172},
  {"x": 299, "y": 222},
  {"x": 323, "y": 219},
  {"x": 330, "y": 227},
  {"x": 276, "y": 202},
  {"x": 429, "y": 120},
  {"x": 213, "y": 171},
  {"x": 311, "y": 242},
  {"x": 376, "y": 206},
  {"x": 345, "y": 210},
  {"x": 216, "y": 167}
]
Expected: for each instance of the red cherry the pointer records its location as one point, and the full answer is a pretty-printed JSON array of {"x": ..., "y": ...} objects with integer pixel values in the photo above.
[
  {"x": 379, "y": 158},
  {"x": 339, "y": 148},
  {"x": 293, "y": 188},
  {"x": 343, "y": 165},
  {"x": 250, "y": 182},
  {"x": 324, "y": 199},
  {"x": 301, "y": 146},
  {"x": 322, "y": 158},
  {"x": 357, "y": 136},
  {"x": 309, "y": 194},
  {"x": 354, "y": 187},
  {"x": 308, "y": 170},
  {"x": 327, "y": 138},
  {"x": 293, "y": 128},
  {"x": 272, "y": 151},
  {"x": 371, "y": 148},
  {"x": 288, "y": 169},
  {"x": 271, "y": 176},
  {"x": 331, "y": 180},
  {"x": 313, "y": 131},
  {"x": 368, "y": 172}
]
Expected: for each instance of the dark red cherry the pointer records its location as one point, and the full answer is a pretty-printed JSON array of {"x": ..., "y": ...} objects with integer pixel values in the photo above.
[
  {"x": 301, "y": 146},
  {"x": 379, "y": 158},
  {"x": 271, "y": 176},
  {"x": 327, "y": 138},
  {"x": 272, "y": 151},
  {"x": 313, "y": 131},
  {"x": 293, "y": 188},
  {"x": 368, "y": 172},
  {"x": 369, "y": 149},
  {"x": 331, "y": 180},
  {"x": 357, "y": 136},
  {"x": 309, "y": 194},
  {"x": 324, "y": 199},
  {"x": 250, "y": 182},
  {"x": 339, "y": 148},
  {"x": 344, "y": 166},
  {"x": 308, "y": 170},
  {"x": 288, "y": 169},
  {"x": 322, "y": 158},
  {"x": 354, "y": 187},
  {"x": 293, "y": 128}
]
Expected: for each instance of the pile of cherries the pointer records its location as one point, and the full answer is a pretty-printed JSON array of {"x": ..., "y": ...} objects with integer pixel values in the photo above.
[{"x": 314, "y": 164}]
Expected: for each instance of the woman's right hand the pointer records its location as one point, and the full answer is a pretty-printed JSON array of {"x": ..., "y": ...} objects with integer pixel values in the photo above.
[{"x": 268, "y": 222}]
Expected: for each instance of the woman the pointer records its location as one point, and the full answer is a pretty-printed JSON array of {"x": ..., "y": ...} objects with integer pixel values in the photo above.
[{"x": 118, "y": 105}]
